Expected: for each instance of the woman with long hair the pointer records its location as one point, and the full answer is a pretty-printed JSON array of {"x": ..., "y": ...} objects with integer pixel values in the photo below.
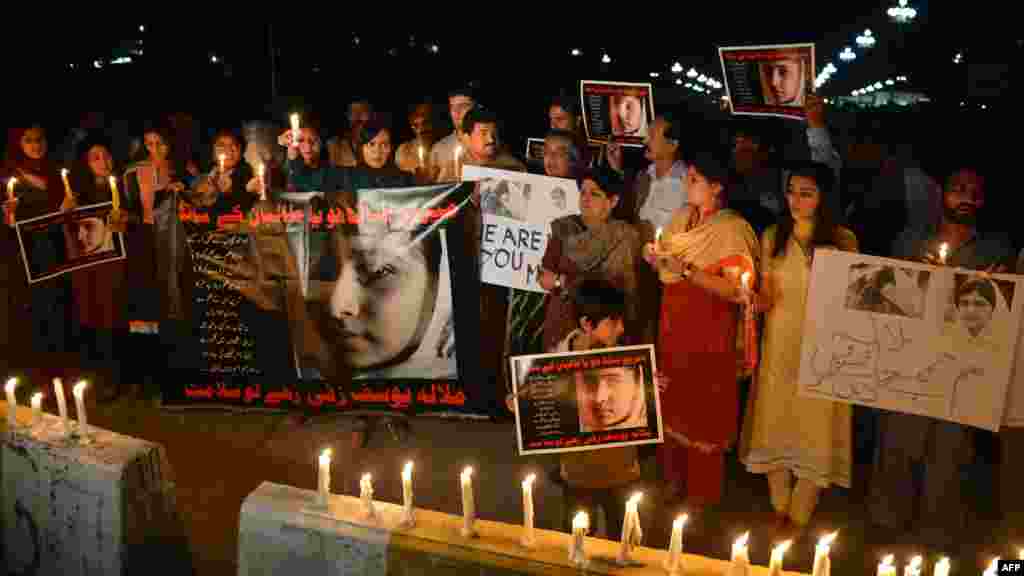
[
  {"x": 801, "y": 444},
  {"x": 701, "y": 258}
]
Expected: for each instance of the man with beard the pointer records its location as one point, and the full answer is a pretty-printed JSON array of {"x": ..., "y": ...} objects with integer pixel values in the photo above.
[
  {"x": 443, "y": 163},
  {"x": 920, "y": 462}
]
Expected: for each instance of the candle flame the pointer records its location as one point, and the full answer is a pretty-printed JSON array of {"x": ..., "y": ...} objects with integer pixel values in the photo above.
[
  {"x": 407, "y": 470},
  {"x": 295, "y": 121},
  {"x": 325, "y": 456},
  {"x": 944, "y": 561},
  {"x": 261, "y": 170},
  {"x": 888, "y": 560},
  {"x": 529, "y": 480},
  {"x": 113, "y": 181},
  {"x": 64, "y": 172},
  {"x": 915, "y": 562},
  {"x": 741, "y": 542},
  {"x": 745, "y": 278},
  {"x": 581, "y": 521},
  {"x": 781, "y": 548},
  {"x": 943, "y": 251},
  {"x": 467, "y": 473},
  {"x": 11, "y": 384},
  {"x": 1021, "y": 554},
  {"x": 680, "y": 522},
  {"x": 37, "y": 397},
  {"x": 657, "y": 233},
  {"x": 79, "y": 388},
  {"x": 367, "y": 478},
  {"x": 636, "y": 498},
  {"x": 828, "y": 539},
  {"x": 12, "y": 181}
]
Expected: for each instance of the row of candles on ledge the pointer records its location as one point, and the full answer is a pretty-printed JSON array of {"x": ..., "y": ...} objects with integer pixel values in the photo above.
[
  {"x": 62, "y": 407},
  {"x": 631, "y": 532}
]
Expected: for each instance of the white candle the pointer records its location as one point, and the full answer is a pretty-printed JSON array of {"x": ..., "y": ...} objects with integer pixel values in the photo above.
[
  {"x": 943, "y": 252},
  {"x": 366, "y": 495},
  {"x": 822, "y": 563},
  {"x": 580, "y": 525},
  {"x": 673, "y": 564},
  {"x": 295, "y": 129},
  {"x": 745, "y": 279},
  {"x": 407, "y": 511},
  {"x": 221, "y": 158},
  {"x": 419, "y": 150},
  {"x": 886, "y": 567},
  {"x": 1021, "y": 554},
  {"x": 468, "y": 504},
  {"x": 775, "y": 562},
  {"x": 324, "y": 478},
  {"x": 62, "y": 405},
  {"x": 261, "y": 172},
  {"x": 115, "y": 198},
  {"x": 12, "y": 403},
  {"x": 529, "y": 536},
  {"x": 67, "y": 185},
  {"x": 83, "y": 421},
  {"x": 914, "y": 568},
  {"x": 10, "y": 187},
  {"x": 37, "y": 408},
  {"x": 657, "y": 235},
  {"x": 941, "y": 567},
  {"x": 631, "y": 532},
  {"x": 740, "y": 557},
  {"x": 993, "y": 568}
]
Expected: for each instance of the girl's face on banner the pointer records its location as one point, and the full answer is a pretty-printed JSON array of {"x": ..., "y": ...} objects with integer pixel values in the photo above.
[
  {"x": 382, "y": 299},
  {"x": 630, "y": 110}
]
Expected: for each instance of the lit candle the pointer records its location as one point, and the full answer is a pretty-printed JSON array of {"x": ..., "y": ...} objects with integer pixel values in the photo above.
[
  {"x": 324, "y": 478},
  {"x": 631, "y": 532},
  {"x": 366, "y": 495},
  {"x": 419, "y": 150},
  {"x": 37, "y": 408},
  {"x": 468, "y": 504},
  {"x": 408, "y": 520},
  {"x": 673, "y": 564},
  {"x": 993, "y": 568},
  {"x": 261, "y": 172},
  {"x": 745, "y": 279},
  {"x": 1021, "y": 554},
  {"x": 67, "y": 185},
  {"x": 12, "y": 403},
  {"x": 943, "y": 252},
  {"x": 914, "y": 568},
  {"x": 10, "y": 198},
  {"x": 941, "y": 567},
  {"x": 657, "y": 235},
  {"x": 529, "y": 537},
  {"x": 580, "y": 525},
  {"x": 822, "y": 563},
  {"x": 740, "y": 557},
  {"x": 83, "y": 421},
  {"x": 115, "y": 197},
  {"x": 886, "y": 567},
  {"x": 458, "y": 161},
  {"x": 62, "y": 405},
  {"x": 220, "y": 161},
  {"x": 775, "y": 562},
  {"x": 295, "y": 129}
]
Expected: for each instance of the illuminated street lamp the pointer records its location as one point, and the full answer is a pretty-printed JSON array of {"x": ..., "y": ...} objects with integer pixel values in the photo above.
[
  {"x": 847, "y": 55},
  {"x": 902, "y": 13},
  {"x": 866, "y": 40}
]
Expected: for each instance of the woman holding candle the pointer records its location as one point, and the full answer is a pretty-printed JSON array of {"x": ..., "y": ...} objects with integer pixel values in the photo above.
[
  {"x": 160, "y": 266},
  {"x": 700, "y": 258},
  {"x": 97, "y": 290},
  {"x": 231, "y": 183},
  {"x": 801, "y": 444},
  {"x": 37, "y": 190},
  {"x": 414, "y": 156}
]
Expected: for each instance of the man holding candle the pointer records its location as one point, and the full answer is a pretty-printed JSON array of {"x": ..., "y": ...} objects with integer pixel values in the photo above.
[
  {"x": 911, "y": 447},
  {"x": 343, "y": 150},
  {"x": 442, "y": 155},
  {"x": 413, "y": 156}
]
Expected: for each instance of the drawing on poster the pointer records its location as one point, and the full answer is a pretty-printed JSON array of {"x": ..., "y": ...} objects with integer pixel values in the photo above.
[
  {"x": 505, "y": 198},
  {"x": 910, "y": 338},
  {"x": 887, "y": 289}
]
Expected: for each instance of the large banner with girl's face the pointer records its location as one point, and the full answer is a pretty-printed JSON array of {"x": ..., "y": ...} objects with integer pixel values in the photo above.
[{"x": 301, "y": 304}]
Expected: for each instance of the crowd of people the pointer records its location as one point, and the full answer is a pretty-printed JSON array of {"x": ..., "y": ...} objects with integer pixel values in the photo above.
[{"x": 655, "y": 256}]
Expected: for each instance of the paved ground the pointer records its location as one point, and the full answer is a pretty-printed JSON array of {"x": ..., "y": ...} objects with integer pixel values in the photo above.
[{"x": 219, "y": 457}]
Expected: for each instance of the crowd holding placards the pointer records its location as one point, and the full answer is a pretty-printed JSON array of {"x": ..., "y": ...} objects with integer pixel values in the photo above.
[{"x": 657, "y": 255}]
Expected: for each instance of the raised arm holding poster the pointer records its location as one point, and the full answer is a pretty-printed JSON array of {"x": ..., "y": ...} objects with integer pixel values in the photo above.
[
  {"x": 620, "y": 111},
  {"x": 517, "y": 212},
  {"x": 908, "y": 337},
  {"x": 769, "y": 80},
  {"x": 58, "y": 243},
  {"x": 574, "y": 401}
]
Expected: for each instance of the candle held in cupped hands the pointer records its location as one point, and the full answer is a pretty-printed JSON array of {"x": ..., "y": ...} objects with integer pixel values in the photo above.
[
  {"x": 468, "y": 503},
  {"x": 775, "y": 562},
  {"x": 12, "y": 404},
  {"x": 674, "y": 562},
  {"x": 529, "y": 534},
  {"x": 83, "y": 421},
  {"x": 887, "y": 566},
  {"x": 577, "y": 552}
]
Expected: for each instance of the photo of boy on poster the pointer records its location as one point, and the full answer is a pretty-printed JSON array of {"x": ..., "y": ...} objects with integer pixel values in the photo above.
[
  {"x": 620, "y": 111},
  {"x": 578, "y": 401},
  {"x": 55, "y": 244},
  {"x": 772, "y": 80}
]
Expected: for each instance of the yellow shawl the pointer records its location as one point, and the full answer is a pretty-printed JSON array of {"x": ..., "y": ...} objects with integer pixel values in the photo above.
[{"x": 723, "y": 240}]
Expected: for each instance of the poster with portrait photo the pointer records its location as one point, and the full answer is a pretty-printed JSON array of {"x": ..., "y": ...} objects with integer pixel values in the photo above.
[
  {"x": 621, "y": 111},
  {"x": 55, "y": 244},
  {"x": 576, "y": 401},
  {"x": 771, "y": 80},
  {"x": 518, "y": 209},
  {"x": 908, "y": 337}
]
